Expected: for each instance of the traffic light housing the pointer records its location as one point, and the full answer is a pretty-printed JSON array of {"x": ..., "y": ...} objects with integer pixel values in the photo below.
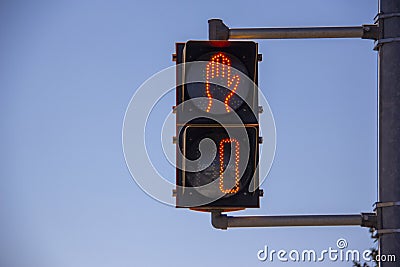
[{"x": 217, "y": 125}]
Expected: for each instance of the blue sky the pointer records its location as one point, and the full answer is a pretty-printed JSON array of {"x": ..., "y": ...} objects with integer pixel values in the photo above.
[{"x": 67, "y": 72}]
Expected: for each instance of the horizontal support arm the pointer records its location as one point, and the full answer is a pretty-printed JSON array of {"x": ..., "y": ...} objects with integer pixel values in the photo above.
[
  {"x": 219, "y": 31},
  {"x": 296, "y": 33},
  {"x": 222, "y": 221}
]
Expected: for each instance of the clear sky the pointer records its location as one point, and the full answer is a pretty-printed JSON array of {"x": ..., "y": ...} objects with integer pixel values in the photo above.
[{"x": 67, "y": 72}]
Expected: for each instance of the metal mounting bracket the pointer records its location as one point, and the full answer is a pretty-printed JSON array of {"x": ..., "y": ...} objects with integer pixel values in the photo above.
[
  {"x": 217, "y": 30},
  {"x": 223, "y": 221}
]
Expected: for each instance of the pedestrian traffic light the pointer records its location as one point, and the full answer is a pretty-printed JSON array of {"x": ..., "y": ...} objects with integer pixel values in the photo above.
[{"x": 217, "y": 125}]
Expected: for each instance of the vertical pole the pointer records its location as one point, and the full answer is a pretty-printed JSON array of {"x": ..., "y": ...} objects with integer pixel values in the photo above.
[{"x": 389, "y": 130}]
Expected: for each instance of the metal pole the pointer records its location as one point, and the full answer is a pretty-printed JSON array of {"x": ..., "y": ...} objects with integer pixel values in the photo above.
[
  {"x": 217, "y": 30},
  {"x": 388, "y": 207},
  {"x": 222, "y": 221},
  {"x": 294, "y": 33}
]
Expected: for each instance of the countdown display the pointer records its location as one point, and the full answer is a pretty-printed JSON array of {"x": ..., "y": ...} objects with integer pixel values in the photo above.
[{"x": 233, "y": 165}]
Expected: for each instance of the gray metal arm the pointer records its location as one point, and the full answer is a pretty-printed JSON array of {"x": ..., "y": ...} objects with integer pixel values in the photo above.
[
  {"x": 222, "y": 221},
  {"x": 219, "y": 31}
]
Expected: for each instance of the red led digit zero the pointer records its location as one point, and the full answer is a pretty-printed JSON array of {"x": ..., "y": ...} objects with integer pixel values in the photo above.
[
  {"x": 222, "y": 143},
  {"x": 220, "y": 66}
]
